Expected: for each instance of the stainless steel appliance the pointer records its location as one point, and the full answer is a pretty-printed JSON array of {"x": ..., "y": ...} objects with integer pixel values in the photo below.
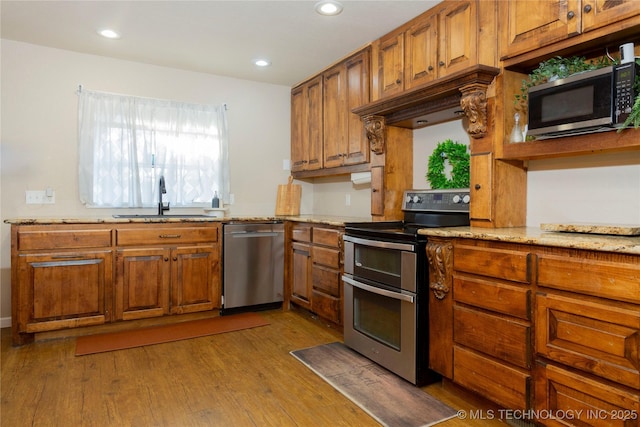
[
  {"x": 386, "y": 282},
  {"x": 253, "y": 266},
  {"x": 592, "y": 101}
]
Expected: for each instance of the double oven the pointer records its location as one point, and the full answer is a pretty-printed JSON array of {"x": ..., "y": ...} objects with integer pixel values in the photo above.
[{"x": 386, "y": 282}]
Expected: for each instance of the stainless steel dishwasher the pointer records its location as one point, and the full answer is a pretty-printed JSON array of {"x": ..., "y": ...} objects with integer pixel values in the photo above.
[{"x": 253, "y": 266}]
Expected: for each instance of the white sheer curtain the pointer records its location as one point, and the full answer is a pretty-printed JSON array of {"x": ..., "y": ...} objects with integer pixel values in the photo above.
[{"x": 126, "y": 143}]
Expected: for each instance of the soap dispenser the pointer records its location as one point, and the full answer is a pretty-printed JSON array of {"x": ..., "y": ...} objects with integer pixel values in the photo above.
[{"x": 215, "y": 202}]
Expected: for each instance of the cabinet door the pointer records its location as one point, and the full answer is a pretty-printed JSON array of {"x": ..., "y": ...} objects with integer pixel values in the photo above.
[
  {"x": 301, "y": 287},
  {"x": 481, "y": 167},
  {"x": 457, "y": 33},
  {"x": 357, "y": 94},
  {"x": 598, "y": 13},
  {"x": 62, "y": 290},
  {"x": 524, "y": 31},
  {"x": 306, "y": 126},
  {"x": 195, "y": 279},
  {"x": 335, "y": 109},
  {"x": 421, "y": 52},
  {"x": 142, "y": 283},
  {"x": 390, "y": 60}
]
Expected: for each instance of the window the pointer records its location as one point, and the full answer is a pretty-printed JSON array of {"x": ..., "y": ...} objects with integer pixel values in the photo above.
[{"x": 126, "y": 143}]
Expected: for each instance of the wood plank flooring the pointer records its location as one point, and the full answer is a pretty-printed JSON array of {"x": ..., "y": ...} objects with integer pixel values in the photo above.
[{"x": 243, "y": 378}]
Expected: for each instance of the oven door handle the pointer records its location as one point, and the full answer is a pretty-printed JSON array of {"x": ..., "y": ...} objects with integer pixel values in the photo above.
[
  {"x": 379, "y": 291},
  {"x": 380, "y": 244}
]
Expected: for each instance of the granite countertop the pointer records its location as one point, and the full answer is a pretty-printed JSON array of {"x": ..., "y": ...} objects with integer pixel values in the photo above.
[
  {"x": 318, "y": 219},
  {"x": 536, "y": 236}
]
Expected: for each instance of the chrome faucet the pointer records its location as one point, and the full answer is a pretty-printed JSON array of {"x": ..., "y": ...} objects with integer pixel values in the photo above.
[{"x": 162, "y": 190}]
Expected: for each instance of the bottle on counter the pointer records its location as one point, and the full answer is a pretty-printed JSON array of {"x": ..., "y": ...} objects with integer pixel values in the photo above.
[{"x": 215, "y": 202}]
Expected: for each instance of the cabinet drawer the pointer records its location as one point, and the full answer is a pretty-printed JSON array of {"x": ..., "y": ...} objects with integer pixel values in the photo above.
[
  {"x": 327, "y": 280},
  {"x": 509, "y": 387},
  {"x": 499, "y": 337},
  {"x": 500, "y": 263},
  {"x": 301, "y": 233},
  {"x": 63, "y": 239},
  {"x": 165, "y": 236},
  {"x": 601, "y": 278},
  {"x": 326, "y": 256},
  {"x": 589, "y": 335},
  {"x": 327, "y": 306},
  {"x": 592, "y": 403},
  {"x": 506, "y": 299},
  {"x": 327, "y": 236}
]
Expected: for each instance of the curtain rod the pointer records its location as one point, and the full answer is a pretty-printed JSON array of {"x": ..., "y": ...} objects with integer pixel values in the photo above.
[{"x": 80, "y": 91}]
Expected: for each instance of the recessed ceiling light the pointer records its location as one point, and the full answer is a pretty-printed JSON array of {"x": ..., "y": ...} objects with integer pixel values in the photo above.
[
  {"x": 328, "y": 7},
  {"x": 262, "y": 62},
  {"x": 110, "y": 34}
]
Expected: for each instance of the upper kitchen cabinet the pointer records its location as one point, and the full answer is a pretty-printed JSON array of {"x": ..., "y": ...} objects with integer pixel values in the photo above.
[
  {"x": 560, "y": 26},
  {"x": 306, "y": 126},
  {"x": 441, "y": 41},
  {"x": 326, "y": 137},
  {"x": 346, "y": 86}
]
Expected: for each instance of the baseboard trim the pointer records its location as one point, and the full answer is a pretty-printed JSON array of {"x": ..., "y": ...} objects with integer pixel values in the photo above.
[{"x": 5, "y": 322}]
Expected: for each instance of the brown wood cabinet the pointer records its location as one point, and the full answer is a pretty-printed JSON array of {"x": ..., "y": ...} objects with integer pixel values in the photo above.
[
  {"x": 306, "y": 126},
  {"x": 72, "y": 275},
  {"x": 554, "y": 330},
  {"x": 556, "y": 20},
  {"x": 441, "y": 41},
  {"x": 166, "y": 269},
  {"x": 346, "y": 86},
  {"x": 316, "y": 268}
]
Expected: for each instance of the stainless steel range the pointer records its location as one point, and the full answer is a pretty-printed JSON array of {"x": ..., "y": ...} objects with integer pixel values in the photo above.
[{"x": 386, "y": 282}]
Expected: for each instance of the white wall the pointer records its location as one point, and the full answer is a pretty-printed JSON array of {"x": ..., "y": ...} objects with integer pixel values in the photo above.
[{"x": 39, "y": 122}]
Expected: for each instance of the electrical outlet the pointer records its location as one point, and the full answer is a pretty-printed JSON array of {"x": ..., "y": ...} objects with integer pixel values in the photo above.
[
  {"x": 40, "y": 197},
  {"x": 347, "y": 199}
]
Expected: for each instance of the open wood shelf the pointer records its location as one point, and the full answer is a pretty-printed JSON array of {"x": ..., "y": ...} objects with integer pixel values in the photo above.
[{"x": 612, "y": 141}]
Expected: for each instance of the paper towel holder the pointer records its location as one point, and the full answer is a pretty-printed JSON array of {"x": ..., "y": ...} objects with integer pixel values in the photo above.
[{"x": 361, "y": 178}]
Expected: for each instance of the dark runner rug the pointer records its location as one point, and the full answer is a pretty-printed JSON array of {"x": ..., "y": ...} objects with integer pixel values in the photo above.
[
  {"x": 389, "y": 399},
  {"x": 166, "y": 333}
]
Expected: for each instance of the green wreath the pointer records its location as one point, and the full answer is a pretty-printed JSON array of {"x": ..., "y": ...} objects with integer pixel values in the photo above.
[{"x": 458, "y": 157}]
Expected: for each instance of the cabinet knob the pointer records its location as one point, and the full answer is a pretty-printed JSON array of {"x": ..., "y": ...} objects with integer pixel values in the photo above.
[
  {"x": 587, "y": 8},
  {"x": 430, "y": 68},
  {"x": 374, "y": 190},
  {"x": 398, "y": 81},
  {"x": 477, "y": 186},
  {"x": 571, "y": 14},
  {"x": 441, "y": 63},
  {"x": 175, "y": 258},
  {"x": 166, "y": 259}
]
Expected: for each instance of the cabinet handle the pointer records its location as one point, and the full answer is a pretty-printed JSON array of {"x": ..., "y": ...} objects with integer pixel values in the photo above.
[
  {"x": 571, "y": 14},
  {"x": 169, "y": 236},
  {"x": 477, "y": 186},
  {"x": 587, "y": 8},
  {"x": 65, "y": 256}
]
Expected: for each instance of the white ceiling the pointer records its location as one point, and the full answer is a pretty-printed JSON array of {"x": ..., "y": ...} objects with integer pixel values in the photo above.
[{"x": 211, "y": 36}]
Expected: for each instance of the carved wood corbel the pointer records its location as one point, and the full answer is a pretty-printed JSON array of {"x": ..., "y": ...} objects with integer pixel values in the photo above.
[
  {"x": 440, "y": 256},
  {"x": 374, "y": 126},
  {"x": 474, "y": 105}
]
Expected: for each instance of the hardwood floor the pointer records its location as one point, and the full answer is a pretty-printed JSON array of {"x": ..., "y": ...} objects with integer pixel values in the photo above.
[{"x": 243, "y": 378}]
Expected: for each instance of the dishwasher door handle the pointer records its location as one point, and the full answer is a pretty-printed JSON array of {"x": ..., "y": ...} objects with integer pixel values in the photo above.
[{"x": 246, "y": 234}]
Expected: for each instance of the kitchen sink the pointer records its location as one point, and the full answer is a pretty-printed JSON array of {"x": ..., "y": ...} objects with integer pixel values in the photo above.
[{"x": 162, "y": 216}]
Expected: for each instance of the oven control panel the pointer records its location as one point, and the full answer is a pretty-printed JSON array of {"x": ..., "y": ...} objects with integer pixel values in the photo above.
[{"x": 453, "y": 200}]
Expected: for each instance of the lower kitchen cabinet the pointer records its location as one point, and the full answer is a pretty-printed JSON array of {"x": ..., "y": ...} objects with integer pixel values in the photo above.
[
  {"x": 316, "y": 270},
  {"x": 60, "y": 278},
  {"x": 547, "y": 329},
  {"x": 72, "y": 275}
]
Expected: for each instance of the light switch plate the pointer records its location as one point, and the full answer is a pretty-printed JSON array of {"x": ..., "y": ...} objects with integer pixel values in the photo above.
[{"x": 39, "y": 197}]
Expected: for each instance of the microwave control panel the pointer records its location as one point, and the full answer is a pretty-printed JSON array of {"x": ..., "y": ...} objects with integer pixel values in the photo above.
[{"x": 624, "y": 76}]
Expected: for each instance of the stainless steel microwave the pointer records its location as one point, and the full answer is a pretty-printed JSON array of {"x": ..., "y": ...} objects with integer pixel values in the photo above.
[{"x": 592, "y": 101}]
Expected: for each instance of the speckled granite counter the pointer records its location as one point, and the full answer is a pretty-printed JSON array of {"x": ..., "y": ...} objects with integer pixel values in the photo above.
[
  {"x": 535, "y": 236},
  {"x": 319, "y": 219}
]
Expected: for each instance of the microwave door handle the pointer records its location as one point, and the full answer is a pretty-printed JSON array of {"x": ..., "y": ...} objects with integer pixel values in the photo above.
[{"x": 378, "y": 291}]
